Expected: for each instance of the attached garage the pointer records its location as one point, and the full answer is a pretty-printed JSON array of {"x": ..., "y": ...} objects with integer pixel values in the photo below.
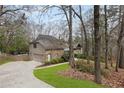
[{"x": 46, "y": 47}]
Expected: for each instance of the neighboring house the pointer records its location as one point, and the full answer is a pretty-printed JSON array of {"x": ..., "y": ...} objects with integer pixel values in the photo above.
[
  {"x": 46, "y": 47},
  {"x": 77, "y": 48}
]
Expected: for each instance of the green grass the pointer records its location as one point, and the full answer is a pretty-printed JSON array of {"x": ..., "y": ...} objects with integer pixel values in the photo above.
[
  {"x": 5, "y": 60},
  {"x": 50, "y": 76}
]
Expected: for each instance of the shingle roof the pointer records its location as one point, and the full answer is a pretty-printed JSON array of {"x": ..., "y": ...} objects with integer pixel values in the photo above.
[{"x": 50, "y": 42}]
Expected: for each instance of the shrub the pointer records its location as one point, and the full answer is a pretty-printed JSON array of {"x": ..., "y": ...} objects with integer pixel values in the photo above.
[
  {"x": 47, "y": 63},
  {"x": 102, "y": 59},
  {"x": 84, "y": 67},
  {"x": 65, "y": 56},
  {"x": 54, "y": 61},
  {"x": 80, "y": 56}
]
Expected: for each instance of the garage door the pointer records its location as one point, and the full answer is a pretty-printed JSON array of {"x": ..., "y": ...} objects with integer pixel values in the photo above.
[{"x": 39, "y": 57}]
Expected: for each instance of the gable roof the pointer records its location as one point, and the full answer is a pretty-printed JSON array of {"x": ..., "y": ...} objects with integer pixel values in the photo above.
[{"x": 50, "y": 42}]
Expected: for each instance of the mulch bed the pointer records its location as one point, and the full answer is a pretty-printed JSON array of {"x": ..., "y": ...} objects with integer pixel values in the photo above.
[{"x": 114, "y": 79}]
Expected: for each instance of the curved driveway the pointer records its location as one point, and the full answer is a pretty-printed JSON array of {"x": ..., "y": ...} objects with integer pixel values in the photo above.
[{"x": 20, "y": 75}]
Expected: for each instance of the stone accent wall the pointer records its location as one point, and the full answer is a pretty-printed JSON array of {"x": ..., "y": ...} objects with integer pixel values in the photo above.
[
  {"x": 55, "y": 53},
  {"x": 38, "y": 50},
  {"x": 37, "y": 53},
  {"x": 41, "y": 55},
  {"x": 77, "y": 51}
]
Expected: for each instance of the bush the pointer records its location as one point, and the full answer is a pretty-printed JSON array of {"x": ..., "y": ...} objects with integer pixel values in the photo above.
[
  {"x": 65, "y": 56},
  {"x": 80, "y": 56},
  {"x": 54, "y": 61},
  {"x": 102, "y": 59},
  {"x": 84, "y": 67}
]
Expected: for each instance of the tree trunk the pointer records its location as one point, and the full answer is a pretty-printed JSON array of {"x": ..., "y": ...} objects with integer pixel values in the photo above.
[
  {"x": 119, "y": 62},
  {"x": 86, "y": 48},
  {"x": 106, "y": 39},
  {"x": 111, "y": 57},
  {"x": 97, "y": 45},
  {"x": 86, "y": 52},
  {"x": 82, "y": 40},
  {"x": 92, "y": 35},
  {"x": 118, "y": 57},
  {"x": 81, "y": 31},
  {"x": 71, "y": 54},
  {"x": 118, "y": 44}
]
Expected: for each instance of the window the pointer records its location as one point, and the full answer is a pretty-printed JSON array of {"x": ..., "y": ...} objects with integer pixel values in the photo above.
[{"x": 35, "y": 45}]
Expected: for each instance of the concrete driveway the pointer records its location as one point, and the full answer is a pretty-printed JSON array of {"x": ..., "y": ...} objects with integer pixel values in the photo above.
[{"x": 20, "y": 75}]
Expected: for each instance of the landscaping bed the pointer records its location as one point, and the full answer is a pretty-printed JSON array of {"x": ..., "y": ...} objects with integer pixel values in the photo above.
[
  {"x": 82, "y": 56},
  {"x": 115, "y": 80},
  {"x": 52, "y": 62},
  {"x": 85, "y": 71}
]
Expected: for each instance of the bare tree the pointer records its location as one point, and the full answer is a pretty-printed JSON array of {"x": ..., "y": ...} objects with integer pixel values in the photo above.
[
  {"x": 85, "y": 33},
  {"x": 68, "y": 14},
  {"x": 71, "y": 54},
  {"x": 11, "y": 19},
  {"x": 97, "y": 44},
  {"x": 119, "y": 62},
  {"x": 106, "y": 38}
]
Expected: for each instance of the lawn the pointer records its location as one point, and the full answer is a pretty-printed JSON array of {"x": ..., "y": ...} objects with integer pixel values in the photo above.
[
  {"x": 5, "y": 60},
  {"x": 10, "y": 58},
  {"x": 50, "y": 76}
]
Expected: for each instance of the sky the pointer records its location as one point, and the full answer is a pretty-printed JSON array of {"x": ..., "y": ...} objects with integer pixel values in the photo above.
[{"x": 52, "y": 15}]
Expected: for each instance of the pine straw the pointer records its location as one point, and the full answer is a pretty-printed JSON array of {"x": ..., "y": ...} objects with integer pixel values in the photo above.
[{"x": 114, "y": 79}]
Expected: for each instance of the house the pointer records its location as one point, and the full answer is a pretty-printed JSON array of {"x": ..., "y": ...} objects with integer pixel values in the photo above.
[
  {"x": 77, "y": 48},
  {"x": 46, "y": 47}
]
